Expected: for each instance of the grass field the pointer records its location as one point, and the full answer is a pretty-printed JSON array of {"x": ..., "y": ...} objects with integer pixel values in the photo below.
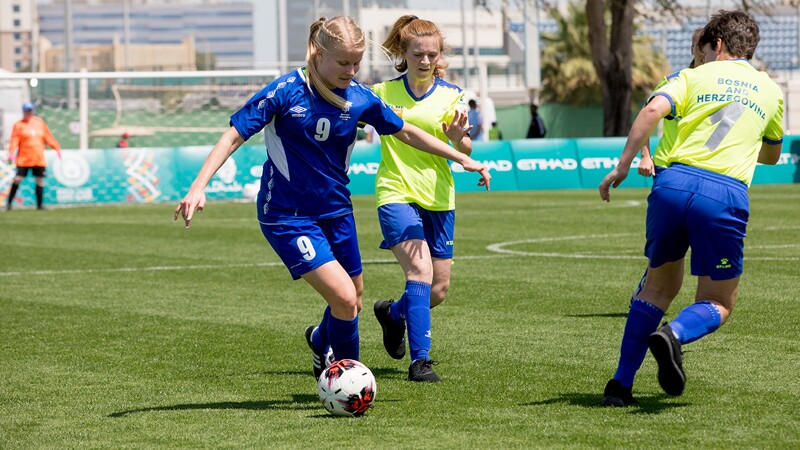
[{"x": 120, "y": 329}]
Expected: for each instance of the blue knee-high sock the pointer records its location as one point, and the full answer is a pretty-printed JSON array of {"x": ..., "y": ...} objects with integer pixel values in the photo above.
[
  {"x": 696, "y": 321},
  {"x": 643, "y": 319},
  {"x": 398, "y": 309},
  {"x": 343, "y": 336},
  {"x": 320, "y": 336},
  {"x": 418, "y": 319}
]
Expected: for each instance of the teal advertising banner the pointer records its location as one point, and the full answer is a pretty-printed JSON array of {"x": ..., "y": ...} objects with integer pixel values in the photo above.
[
  {"x": 545, "y": 163},
  {"x": 151, "y": 175},
  {"x": 364, "y": 161},
  {"x": 498, "y": 158},
  {"x": 598, "y": 156}
]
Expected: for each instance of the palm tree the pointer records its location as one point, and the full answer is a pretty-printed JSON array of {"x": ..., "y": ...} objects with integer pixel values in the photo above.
[{"x": 568, "y": 73}]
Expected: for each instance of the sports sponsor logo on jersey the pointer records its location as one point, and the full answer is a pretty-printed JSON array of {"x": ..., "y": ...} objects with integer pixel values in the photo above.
[
  {"x": 345, "y": 115},
  {"x": 298, "y": 111}
]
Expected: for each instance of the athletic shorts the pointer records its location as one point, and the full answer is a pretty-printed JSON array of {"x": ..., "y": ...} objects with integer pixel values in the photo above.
[
  {"x": 704, "y": 210},
  {"x": 401, "y": 222},
  {"x": 305, "y": 244},
  {"x": 38, "y": 171}
]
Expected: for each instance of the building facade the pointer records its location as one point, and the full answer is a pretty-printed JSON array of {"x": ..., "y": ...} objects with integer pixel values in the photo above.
[
  {"x": 17, "y": 31},
  {"x": 222, "y": 32}
]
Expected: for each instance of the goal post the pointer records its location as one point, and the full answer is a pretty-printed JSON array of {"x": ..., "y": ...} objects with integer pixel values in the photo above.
[{"x": 156, "y": 109}]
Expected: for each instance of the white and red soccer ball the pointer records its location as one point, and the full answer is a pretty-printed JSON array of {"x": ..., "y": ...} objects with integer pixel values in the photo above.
[{"x": 346, "y": 388}]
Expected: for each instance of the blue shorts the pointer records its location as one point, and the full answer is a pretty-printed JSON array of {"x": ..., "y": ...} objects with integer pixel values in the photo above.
[
  {"x": 704, "y": 210},
  {"x": 401, "y": 222},
  {"x": 305, "y": 244}
]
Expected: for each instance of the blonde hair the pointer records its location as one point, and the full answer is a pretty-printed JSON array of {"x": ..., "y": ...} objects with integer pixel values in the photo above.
[
  {"x": 403, "y": 31},
  {"x": 324, "y": 34}
]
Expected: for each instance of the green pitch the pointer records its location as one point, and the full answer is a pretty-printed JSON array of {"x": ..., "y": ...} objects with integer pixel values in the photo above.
[{"x": 120, "y": 329}]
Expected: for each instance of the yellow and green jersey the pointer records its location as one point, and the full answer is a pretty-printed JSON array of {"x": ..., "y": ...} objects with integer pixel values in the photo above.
[
  {"x": 408, "y": 175},
  {"x": 670, "y": 130},
  {"x": 725, "y": 110}
]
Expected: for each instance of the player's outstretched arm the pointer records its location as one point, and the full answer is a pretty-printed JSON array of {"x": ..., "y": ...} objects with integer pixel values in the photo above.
[
  {"x": 640, "y": 132},
  {"x": 425, "y": 142},
  {"x": 196, "y": 197}
]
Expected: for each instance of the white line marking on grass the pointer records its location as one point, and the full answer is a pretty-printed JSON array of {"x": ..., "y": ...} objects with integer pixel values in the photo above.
[{"x": 500, "y": 247}]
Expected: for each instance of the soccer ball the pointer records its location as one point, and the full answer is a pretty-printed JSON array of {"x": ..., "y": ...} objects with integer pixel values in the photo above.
[{"x": 346, "y": 388}]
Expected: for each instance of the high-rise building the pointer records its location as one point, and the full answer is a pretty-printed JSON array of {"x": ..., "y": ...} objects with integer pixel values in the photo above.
[
  {"x": 17, "y": 32},
  {"x": 223, "y": 30}
]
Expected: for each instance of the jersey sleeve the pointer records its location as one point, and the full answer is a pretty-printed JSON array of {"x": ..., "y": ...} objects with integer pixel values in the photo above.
[
  {"x": 380, "y": 115},
  {"x": 259, "y": 110},
  {"x": 675, "y": 91},
  {"x": 773, "y": 134}
]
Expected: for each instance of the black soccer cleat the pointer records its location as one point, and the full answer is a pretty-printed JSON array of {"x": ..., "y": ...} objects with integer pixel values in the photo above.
[
  {"x": 667, "y": 351},
  {"x": 421, "y": 370},
  {"x": 319, "y": 360},
  {"x": 617, "y": 395},
  {"x": 394, "y": 334}
]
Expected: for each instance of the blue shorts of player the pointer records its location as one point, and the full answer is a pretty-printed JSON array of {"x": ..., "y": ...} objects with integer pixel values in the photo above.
[
  {"x": 689, "y": 206},
  {"x": 401, "y": 222},
  {"x": 305, "y": 244}
]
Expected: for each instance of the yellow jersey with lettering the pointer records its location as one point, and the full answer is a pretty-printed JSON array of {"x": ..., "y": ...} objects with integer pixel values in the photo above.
[
  {"x": 725, "y": 110},
  {"x": 408, "y": 175}
]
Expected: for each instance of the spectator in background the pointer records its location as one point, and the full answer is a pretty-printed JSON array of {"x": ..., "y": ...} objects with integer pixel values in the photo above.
[
  {"x": 476, "y": 121},
  {"x": 123, "y": 141},
  {"x": 28, "y": 138},
  {"x": 536, "y": 129},
  {"x": 494, "y": 133}
]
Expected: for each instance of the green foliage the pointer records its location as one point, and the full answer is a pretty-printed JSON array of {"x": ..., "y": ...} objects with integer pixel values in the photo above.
[
  {"x": 568, "y": 74},
  {"x": 121, "y": 329}
]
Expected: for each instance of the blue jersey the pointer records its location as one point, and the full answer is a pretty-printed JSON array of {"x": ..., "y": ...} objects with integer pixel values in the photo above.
[{"x": 309, "y": 142}]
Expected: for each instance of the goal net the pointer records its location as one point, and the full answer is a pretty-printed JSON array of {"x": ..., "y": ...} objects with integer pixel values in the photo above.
[{"x": 154, "y": 109}]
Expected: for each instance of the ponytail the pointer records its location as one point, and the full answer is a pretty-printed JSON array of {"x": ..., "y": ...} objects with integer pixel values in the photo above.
[{"x": 323, "y": 35}]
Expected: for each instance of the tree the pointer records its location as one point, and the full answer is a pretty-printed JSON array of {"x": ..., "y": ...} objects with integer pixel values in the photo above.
[
  {"x": 611, "y": 50},
  {"x": 612, "y": 55},
  {"x": 568, "y": 72}
]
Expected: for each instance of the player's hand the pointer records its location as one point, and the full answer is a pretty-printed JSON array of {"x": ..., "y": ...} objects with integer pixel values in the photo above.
[
  {"x": 646, "y": 167},
  {"x": 470, "y": 165},
  {"x": 186, "y": 208},
  {"x": 12, "y": 158},
  {"x": 457, "y": 129},
  {"x": 613, "y": 179}
]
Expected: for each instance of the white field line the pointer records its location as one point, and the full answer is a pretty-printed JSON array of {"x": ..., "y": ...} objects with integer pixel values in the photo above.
[{"x": 499, "y": 249}]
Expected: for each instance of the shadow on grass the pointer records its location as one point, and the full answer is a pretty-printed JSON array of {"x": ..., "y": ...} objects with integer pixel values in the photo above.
[
  {"x": 298, "y": 401},
  {"x": 589, "y": 316},
  {"x": 648, "y": 404}
]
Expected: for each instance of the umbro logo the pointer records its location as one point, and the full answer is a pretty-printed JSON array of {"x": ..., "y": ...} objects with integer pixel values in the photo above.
[{"x": 298, "y": 111}]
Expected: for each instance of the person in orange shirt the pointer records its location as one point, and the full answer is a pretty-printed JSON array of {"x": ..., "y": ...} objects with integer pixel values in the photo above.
[{"x": 28, "y": 139}]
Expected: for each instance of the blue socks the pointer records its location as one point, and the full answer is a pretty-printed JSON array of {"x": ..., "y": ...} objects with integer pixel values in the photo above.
[
  {"x": 696, "y": 321},
  {"x": 418, "y": 319},
  {"x": 343, "y": 336},
  {"x": 397, "y": 310},
  {"x": 643, "y": 319},
  {"x": 415, "y": 307},
  {"x": 320, "y": 336}
]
